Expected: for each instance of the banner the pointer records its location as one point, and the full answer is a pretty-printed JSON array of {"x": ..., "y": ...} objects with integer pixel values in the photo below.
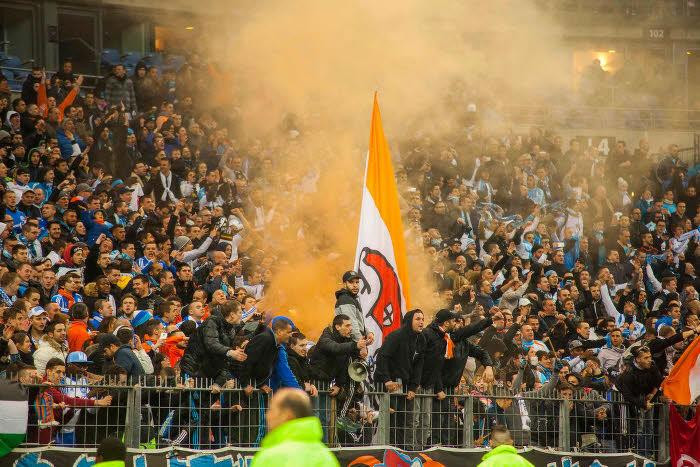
[
  {"x": 685, "y": 439},
  {"x": 682, "y": 385},
  {"x": 374, "y": 456},
  {"x": 380, "y": 257}
]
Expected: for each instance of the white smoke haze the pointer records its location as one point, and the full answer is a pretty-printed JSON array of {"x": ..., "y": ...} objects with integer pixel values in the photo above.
[{"x": 322, "y": 61}]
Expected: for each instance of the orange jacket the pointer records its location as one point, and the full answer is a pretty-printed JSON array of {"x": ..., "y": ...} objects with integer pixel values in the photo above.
[
  {"x": 43, "y": 102},
  {"x": 171, "y": 350},
  {"x": 77, "y": 335}
]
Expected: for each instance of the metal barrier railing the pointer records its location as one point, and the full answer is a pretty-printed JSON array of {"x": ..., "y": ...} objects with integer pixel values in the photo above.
[
  {"x": 577, "y": 116},
  {"x": 157, "y": 413},
  {"x": 16, "y": 85}
]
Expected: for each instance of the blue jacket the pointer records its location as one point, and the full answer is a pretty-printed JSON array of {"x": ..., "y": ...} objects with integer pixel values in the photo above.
[
  {"x": 282, "y": 376},
  {"x": 65, "y": 144},
  {"x": 94, "y": 229}
]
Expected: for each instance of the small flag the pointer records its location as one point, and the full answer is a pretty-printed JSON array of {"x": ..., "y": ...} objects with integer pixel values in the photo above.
[
  {"x": 380, "y": 257},
  {"x": 14, "y": 410},
  {"x": 683, "y": 383}
]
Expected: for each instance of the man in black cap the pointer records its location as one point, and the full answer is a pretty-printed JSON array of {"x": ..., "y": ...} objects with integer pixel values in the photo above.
[
  {"x": 347, "y": 304},
  {"x": 438, "y": 348}
]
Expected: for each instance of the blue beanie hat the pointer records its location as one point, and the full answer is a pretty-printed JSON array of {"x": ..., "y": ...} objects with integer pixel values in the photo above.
[{"x": 140, "y": 317}]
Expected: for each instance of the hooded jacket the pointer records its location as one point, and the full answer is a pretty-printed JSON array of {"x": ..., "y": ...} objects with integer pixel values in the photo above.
[
  {"x": 611, "y": 358},
  {"x": 297, "y": 442},
  {"x": 332, "y": 355},
  {"x": 347, "y": 304},
  {"x": 401, "y": 355}
]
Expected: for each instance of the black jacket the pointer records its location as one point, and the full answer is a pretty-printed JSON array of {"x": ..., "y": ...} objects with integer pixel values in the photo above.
[
  {"x": 435, "y": 346},
  {"x": 332, "y": 355},
  {"x": 658, "y": 348},
  {"x": 205, "y": 355},
  {"x": 453, "y": 368},
  {"x": 401, "y": 356},
  {"x": 299, "y": 365},
  {"x": 635, "y": 384},
  {"x": 262, "y": 351},
  {"x": 155, "y": 186}
]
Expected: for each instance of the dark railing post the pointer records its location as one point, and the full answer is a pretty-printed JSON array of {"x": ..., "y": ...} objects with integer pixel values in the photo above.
[
  {"x": 132, "y": 431},
  {"x": 664, "y": 438},
  {"x": 564, "y": 425},
  {"x": 468, "y": 422},
  {"x": 383, "y": 421}
]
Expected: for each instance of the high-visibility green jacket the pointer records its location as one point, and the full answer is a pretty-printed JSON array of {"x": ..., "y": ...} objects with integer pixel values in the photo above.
[{"x": 295, "y": 443}]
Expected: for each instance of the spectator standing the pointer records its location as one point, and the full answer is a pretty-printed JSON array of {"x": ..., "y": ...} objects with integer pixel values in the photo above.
[
  {"x": 400, "y": 362},
  {"x": 210, "y": 348},
  {"x": 119, "y": 89}
]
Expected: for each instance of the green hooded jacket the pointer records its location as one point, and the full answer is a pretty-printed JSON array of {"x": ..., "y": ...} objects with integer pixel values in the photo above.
[
  {"x": 295, "y": 443},
  {"x": 504, "y": 455}
]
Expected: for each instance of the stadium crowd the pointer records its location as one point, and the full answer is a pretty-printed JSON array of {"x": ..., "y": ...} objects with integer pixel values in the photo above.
[{"x": 138, "y": 238}]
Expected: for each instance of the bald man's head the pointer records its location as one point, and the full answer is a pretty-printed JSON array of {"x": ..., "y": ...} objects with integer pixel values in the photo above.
[
  {"x": 288, "y": 404},
  {"x": 500, "y": 435}
]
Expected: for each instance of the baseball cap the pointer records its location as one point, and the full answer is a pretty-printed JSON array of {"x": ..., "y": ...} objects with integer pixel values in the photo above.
[
  {"x": 77, "y": 357},
  {"x": 524, "y": 302},
  {"x": 574, "y": 344},
  {"x": 444, "y": 315},
  {"x": 551, "y": 272},
  {"x": 36, "y": 311},
  {"x": 122, "y": 190},
  {"x": 350, "y": 275}
]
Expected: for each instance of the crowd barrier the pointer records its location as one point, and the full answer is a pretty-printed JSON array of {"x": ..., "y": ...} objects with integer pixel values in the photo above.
[{"x": 200, "y": 415}]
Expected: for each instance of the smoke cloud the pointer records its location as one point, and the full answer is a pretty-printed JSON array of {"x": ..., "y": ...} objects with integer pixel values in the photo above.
[{"x": 313, "y": 66}]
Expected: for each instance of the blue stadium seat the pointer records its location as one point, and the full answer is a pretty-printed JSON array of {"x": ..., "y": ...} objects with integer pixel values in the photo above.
[
  {"x": 153, "y": 59},
  {"x": 110, "y": 57},
  {"x": 130, "y": 59},
  {"x": 11, "y": 61},
  {"x": 173, "y": 62},
  {"x": 21, "y": 75}
]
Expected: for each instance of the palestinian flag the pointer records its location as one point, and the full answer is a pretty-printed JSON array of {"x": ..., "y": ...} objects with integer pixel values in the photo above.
[{"x": 13, "y": 416}]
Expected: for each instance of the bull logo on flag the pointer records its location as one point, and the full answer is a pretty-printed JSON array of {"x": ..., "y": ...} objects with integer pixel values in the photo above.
[{"x": 386, "y": 307}]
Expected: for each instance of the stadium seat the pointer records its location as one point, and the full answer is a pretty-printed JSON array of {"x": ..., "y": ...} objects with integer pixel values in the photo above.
[
  {"x": 11, "y": 61},
  {"x": 173, "y": 63},
  {"x": 110, "y": 57},
  {"x": 153, "y": 59},
  {"x": 130, "y": 59}
]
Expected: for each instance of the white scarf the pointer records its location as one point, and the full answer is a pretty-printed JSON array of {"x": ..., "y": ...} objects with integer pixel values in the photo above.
[{"x": 167, "y": 181}]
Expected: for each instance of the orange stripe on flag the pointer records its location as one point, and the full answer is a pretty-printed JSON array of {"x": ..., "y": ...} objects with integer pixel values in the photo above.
[
  {"x": 381, "y": 184},
  {"x": 677, "y": 385}
]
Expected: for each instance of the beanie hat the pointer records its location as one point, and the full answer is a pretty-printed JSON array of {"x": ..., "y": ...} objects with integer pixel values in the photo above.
[
  {"x": 141, "y": 317},
  {"x": 180, "y": 242}
]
